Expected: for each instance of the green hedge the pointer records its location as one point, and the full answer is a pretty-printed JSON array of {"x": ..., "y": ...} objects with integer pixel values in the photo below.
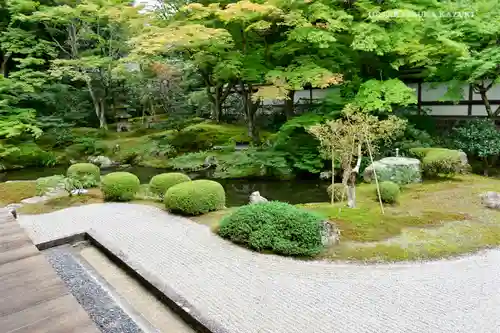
[
  {"x": 275, "y": 226},
  {"x": 159, "y": 184},
  {"x": 87, "y": 174},
  {"x": 120, "y": 186},
  {"x": 389, "y": 192},
  {"x": 439, "y": 161},
  {"x": 195, "y": 197}
]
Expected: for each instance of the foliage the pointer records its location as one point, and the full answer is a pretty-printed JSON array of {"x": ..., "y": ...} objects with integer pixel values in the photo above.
[
  {"x": 29, "y": 155},
  {"x": 299, "y": 147},
  {"x": 274, "y": 226},
  {"x": 120, "y": 186},
  {"x": 159, "y": 184},
  {"x": 389, "y": 192},
  {"x": 439, "y": 161},
  {"x": 412, "y": 137},
  {"x": 375, "y": 95},
  {"x": 87, "y": 173},
  {"x": 480, "y": 139},
  {"x": 45, "y": 184},
  {"x": 338, "y": 192},
  {"x": 195, "y": 197}
]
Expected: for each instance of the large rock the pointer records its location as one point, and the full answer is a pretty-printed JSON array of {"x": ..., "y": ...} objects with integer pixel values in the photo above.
[
  {"x": 330, "y": 234},
  {"x": 401, "y": 170},
  {"x": 491, "y": 200},
  {"x": 255, "y": 197},
  {"x": 101, "y": 161}
]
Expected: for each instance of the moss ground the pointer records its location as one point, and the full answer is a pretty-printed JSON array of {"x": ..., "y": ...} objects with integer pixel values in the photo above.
[{"x": 14, "y": 192}]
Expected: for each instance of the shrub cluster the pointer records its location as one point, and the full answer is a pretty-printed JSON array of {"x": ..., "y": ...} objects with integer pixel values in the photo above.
[
  {"x": 45, "y": 184},
  {"x": 195, "y": 197},
  {"x": 436, "y": 161},
  {"x": 338, "y": 191},
  {"x": 87, "y": 174},
  {"x": 120, "y": 186},
  {"x": 275, "y": 226},
  {"x": 389, "y": 192},
  {"x": 159, "y": 184}
]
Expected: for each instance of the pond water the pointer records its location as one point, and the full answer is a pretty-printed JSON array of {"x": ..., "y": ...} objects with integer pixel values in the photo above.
[{"x": 238, "y": 190}]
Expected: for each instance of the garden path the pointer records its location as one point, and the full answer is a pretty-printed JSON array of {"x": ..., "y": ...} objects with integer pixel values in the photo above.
[{"x": 231, "y": 289}]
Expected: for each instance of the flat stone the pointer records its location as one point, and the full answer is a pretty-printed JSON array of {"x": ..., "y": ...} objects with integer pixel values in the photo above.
[{"x": 241, "y": 291}]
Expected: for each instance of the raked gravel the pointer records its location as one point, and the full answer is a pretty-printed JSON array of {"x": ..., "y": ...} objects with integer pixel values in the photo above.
[{"x": 247, "y": 292}]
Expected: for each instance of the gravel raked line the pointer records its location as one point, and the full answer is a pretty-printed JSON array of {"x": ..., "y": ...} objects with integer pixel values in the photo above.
[{"x": 247, "y": 292}]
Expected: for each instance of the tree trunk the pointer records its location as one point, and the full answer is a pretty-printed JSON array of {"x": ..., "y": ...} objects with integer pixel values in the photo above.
[
  {"x": 487, "y": 105},
  {"x": 351, "y": 181},
  {"x": 289, "y": 105},
  {"x": 250, "y": 109},
  {"x": 3, "y": 65},
  {"x": 98, "y": 106},
  {"x": 217, "y": 104}
]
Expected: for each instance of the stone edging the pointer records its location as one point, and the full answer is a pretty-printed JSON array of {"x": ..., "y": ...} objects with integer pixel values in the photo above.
[{"x": 159, "y": 289}]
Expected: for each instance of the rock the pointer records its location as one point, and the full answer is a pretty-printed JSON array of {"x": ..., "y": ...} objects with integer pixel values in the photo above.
[
  {"x": 255, "y": 197},
  {"x": 330, "y": 234},
  {"x": 101, "y": 161},
  {"x": 325, "y": 175},
  {"x": 79, "y": 191},
  {"x": 210, "y": 161},
  {"x": 491, "y": 200},
  {"x": 464, "y": 161},
  {"x": 401, "y": 170}
]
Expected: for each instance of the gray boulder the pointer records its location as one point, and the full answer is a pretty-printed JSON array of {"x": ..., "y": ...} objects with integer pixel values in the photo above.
[
  {"x": 101, "y": 161},
  {"x": 401, "y": 170},
  {"x": 491, "y": 200},
  {"x": 330, "y": 234},
  {"x": 210, "y": 161},
  {"x": 255, "y": 197},
  {"x": 325, "y": 175}
]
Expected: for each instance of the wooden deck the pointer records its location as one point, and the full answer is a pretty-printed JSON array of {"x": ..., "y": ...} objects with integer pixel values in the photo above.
[{"x": 32, "y": 297}]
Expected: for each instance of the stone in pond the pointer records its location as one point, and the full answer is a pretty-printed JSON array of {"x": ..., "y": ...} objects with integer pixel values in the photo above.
[
  {"x": 491, "y": 200},
  {"x": 400, "y": 170},
  {"x": 101, "y": 161},
  {"x": 255, "y": 197}
]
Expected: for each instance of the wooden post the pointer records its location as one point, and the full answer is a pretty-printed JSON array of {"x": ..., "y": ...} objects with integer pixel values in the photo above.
[
  {"x": 333, "y": 177},
  {"x": 375, "y": 174}
]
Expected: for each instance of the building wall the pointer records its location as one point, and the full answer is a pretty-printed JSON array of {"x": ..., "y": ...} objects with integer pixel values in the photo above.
[{"x": 431, "y": 96}]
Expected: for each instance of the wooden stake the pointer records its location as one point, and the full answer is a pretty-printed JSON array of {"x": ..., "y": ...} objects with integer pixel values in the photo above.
[
  {"x": 376, "y": 178},
  {"x": 333, "y": 177}
]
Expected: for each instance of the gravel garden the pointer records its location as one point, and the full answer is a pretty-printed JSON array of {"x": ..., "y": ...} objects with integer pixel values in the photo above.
[{"x": 397, "y": 216}]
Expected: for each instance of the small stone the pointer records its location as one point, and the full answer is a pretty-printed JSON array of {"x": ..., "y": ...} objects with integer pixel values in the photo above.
[
  {"x": 210, "y": 161},
  {"x": 491, "y": 200},
  {"x": 101, "y": 161},
  {"x": 325, "y": 175},
  {"x": 79, "y": 191},
  {"x": 255, "y": 197}
]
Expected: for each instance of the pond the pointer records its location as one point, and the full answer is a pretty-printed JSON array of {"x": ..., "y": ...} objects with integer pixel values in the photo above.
[{"x": 238, "y": 190}]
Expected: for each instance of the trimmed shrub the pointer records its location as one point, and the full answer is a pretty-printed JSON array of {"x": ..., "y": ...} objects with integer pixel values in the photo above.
[
  {"x": 389, "y": 192},
  {"x": 120, "y": 186},
  {"x": 436, "y": 161},
  {"x": 338, "y": 191},
  {"x": 195, "y": 197},
  {"x": 275, "y": 226},
  {"x": 87, "y": 174},
  {"x": 159, "y": 184}
]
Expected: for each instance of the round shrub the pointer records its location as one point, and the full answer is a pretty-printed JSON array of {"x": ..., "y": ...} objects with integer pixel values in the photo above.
[
  {"x": 87, "y": 173},
  {"x": 338, "y": 191},
  {"x": 159, "y": 184},
  {"x": 120, "y": 186},
  {"x": 275, "y": 226},
  {"x": 195, "y": 197},
  {"x": 389, "y": 192},
  {"x": 446, "y": 162}
]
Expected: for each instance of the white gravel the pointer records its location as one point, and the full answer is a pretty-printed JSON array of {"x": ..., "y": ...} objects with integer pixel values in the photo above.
[{"x": 246, "y": 292}]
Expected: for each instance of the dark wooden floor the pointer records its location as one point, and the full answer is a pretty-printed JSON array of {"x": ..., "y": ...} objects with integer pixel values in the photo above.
[{"x": 32, "y": 297}]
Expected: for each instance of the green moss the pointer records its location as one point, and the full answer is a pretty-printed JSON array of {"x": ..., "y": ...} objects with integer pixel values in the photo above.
[{"x": 14, "y": 192}]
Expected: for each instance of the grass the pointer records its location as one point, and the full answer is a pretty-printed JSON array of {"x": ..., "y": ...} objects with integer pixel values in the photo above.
[{"x": 14, "y": 192}]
